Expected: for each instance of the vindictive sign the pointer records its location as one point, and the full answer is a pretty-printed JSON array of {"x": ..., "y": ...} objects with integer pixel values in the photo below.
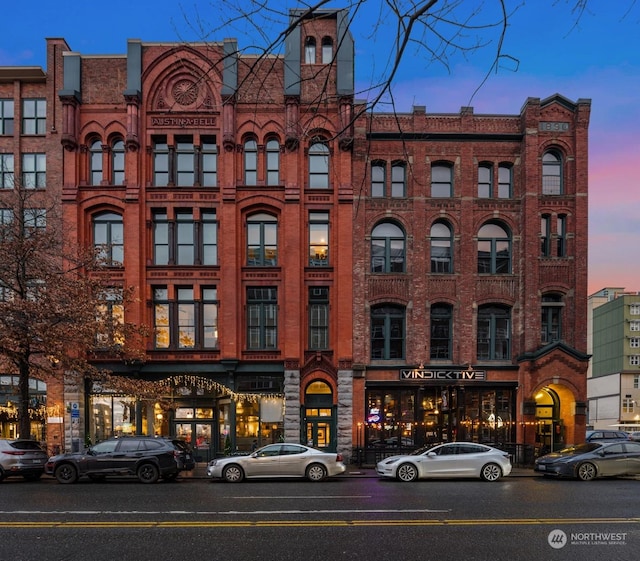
[{"x": 422, "y": 374}]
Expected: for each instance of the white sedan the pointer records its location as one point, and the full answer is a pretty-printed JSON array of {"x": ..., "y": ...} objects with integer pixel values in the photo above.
[
  {"x": 278, "y": 460},
  {"x": 454, "y": 459}
]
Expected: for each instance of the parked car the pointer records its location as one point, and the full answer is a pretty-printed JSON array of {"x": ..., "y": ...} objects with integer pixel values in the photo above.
[
  {"x": 635, "y": 435},
  {"x": 147, "y": 457},
  {"x": 592, "y": 459},
  {"x": 21, "y": 457},
  {"x": 606, "y": 435},
  {"x": 453, "y": 459},
  {"x": 278, "y": 460}
]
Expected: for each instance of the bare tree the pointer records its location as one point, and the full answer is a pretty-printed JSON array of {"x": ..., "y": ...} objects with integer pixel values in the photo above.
[{"x": 55, "y": 311}]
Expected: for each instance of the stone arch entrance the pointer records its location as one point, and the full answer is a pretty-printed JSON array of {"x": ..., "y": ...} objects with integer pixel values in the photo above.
[
  {"x": 555, "y": 417},
  {"x": 319, "y": 416}
]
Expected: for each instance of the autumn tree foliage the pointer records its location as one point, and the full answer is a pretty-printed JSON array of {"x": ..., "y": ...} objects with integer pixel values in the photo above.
[{"x": 56, "y": 313}]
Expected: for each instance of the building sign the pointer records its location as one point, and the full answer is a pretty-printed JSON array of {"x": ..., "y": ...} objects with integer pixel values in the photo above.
[
  {"x": 442, "y": 375},
  {"x": 177, "y": 121},
  {"x": 554, "y": 126}
]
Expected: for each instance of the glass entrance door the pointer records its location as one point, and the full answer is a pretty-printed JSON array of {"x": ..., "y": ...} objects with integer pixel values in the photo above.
[
  {"x": 198, "y": 435},
  {"x": 319, "y": 434}
]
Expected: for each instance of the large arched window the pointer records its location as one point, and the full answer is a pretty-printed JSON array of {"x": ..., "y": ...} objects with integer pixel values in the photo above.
[
  {"x": 494, "y": 249},
  {"x": 95, "y": 162},
  {"x": 552, "y": 180},
  {"x": 387, "y": 332},
  {"x": 319, "y": 166},
  {"x": 262, "y": 240},
  {"x": 108, "y": 239},
  {"x": 441, "y": 248},
  {"x": 494, "y": 332},
  {"x": 441, "y": 332},
  {"x": 387, "y": 249},
  {"x": 117, "y": 162},
  {"x": 250, "y": 162}
]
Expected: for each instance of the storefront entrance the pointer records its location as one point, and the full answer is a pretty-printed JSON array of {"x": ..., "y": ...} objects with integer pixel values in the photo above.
[
  {"x": 198, "y": 435},
  {"x": 319, "y": 416}
]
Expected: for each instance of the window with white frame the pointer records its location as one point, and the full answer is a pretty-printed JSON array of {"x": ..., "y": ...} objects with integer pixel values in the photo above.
[
  {"x": 628, "y": 405},
  {"x": 634, "y": 309},
  {"x": 634, "y": 360},
  {"x": 634, "y": 342},
  {"x": 636, "y": 381},
  {"x": 634, "y": 325}
]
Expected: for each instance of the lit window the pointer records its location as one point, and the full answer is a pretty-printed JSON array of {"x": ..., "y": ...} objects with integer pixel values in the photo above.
[{"x": 318, "y": 239}]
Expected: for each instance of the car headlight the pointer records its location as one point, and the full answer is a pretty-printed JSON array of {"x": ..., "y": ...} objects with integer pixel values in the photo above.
[
  {"x": 212, "y": 463},
  {"x": 390, "y": 461}
]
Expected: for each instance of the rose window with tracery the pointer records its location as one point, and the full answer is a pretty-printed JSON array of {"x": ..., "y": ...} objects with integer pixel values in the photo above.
[{"x": 185, "y": 92}]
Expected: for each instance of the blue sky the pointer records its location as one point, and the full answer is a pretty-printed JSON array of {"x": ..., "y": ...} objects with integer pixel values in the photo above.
[{"x": 549, "y": 52}]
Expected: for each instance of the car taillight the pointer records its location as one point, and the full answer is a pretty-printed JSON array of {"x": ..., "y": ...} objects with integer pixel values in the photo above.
[
  {"x": 338, "y": 457},
  {"x": 15, "y": 453}
]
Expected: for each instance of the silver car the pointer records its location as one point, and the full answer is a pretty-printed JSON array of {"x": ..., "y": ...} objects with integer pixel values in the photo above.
[
  {"x": 21, "y": 457},
  {"x": 278, "y": 460},
  {"x": 454, "y": 459}
]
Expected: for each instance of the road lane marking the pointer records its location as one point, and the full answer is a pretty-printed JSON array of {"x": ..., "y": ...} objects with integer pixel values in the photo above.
[{"x": 314, "y": 523}]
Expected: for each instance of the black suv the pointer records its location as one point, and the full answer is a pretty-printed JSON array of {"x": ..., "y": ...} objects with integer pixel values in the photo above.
[{"x": 148, "y": 458}]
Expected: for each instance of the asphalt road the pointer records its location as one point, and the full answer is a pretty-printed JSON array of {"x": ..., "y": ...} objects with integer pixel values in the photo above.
[{"x": 354, "y": 518}]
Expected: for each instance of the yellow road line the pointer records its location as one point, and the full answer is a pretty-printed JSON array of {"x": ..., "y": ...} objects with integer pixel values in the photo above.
[{"x": 316, "y": 523}]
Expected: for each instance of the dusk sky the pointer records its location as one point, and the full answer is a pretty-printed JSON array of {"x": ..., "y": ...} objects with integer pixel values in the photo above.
[{"x": 596, "y": 57}]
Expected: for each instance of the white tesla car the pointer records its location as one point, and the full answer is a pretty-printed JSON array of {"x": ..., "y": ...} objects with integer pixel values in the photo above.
[{"x": 454, "y": 459}]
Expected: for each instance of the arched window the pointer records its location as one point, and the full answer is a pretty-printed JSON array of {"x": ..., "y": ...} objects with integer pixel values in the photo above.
[
  {"x": 485, "y": 181},
  {"x": 327, "y": 50},
  {"x": 494, "y": 249},
  {"x": 117, "y": 162},
  {"x": 441, "y": 248},
  {"x": 108, "y": 239},
  {"x": 387, "y": 332},
  {"x": 319, "y": 166},
  {"x": 494, "y": 333},
  {"x": 552, "y": 173},
  {"x": 250, "y": 162},
  {"x": 95, "y": 162},
  {"x": 441, "y": 180},
  {"x": 441, "y": 332},
  {"x": 310, "y": 50},
  {"x": 273, "y": 162},
  {"x": 387, "y": 249},
  {"x": 262, "y": 240},
  {"x": 551, "y": 323}
]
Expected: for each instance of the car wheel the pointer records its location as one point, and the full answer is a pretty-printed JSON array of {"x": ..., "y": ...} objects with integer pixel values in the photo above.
[
  {"x": 491, "y": 472},
  {"x": 233, "y": 474},
  {"x": 407, "y": 472},
  {"x": 587, "y": 471},
  {"x": 316, "y": 472},
  {"x": 66, "y": 473},
  {"x": 148, "y": 473}
]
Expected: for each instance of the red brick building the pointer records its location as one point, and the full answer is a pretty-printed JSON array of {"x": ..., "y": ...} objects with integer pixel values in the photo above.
[
  {"x": 304, "y": 277},
  {"x": 219, "y": 186},
  {"x": 471, "y": 280}
]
